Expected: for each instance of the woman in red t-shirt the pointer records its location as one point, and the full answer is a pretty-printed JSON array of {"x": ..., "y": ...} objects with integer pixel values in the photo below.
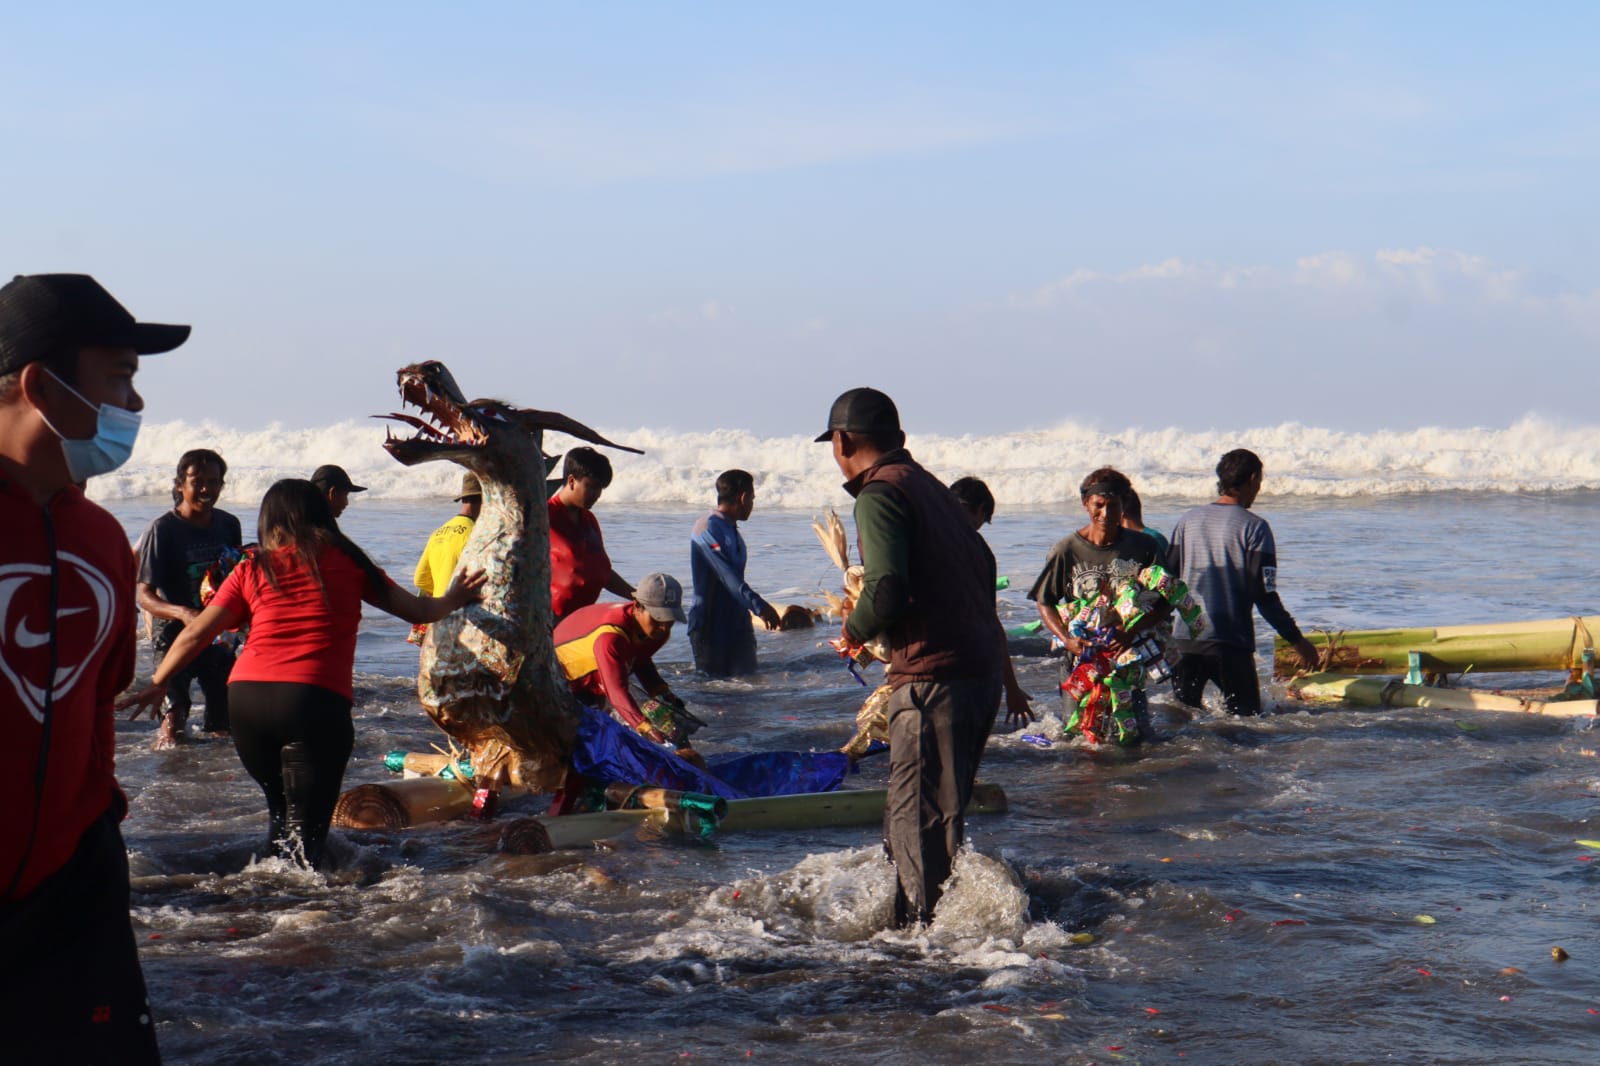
[{"x": 290, "y": 691}]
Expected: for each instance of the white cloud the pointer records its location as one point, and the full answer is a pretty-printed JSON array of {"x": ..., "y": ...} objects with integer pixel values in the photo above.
[
  {"x": 1334, "y": 269},
  {"x": 532, "y": 140},
  {"x": 707, "y": 311},
  {"x": 1167, "y": 270},
  {"x": 1430, "y": 275},
  {"x": 1406, "y": 256}
]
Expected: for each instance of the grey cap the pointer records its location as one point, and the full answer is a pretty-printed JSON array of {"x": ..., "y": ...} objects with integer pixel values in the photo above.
[
  {"x": 469, "y": 487},
  {"x": 662, "y": 597}
]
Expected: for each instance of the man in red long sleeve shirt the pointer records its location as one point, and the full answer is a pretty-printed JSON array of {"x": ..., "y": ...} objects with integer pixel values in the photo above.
[
  {"x": 580, "y": 569},
  {"x": 71, "y": 989}
]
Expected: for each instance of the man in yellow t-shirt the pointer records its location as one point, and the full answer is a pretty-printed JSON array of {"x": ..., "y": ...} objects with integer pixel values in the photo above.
[{"x": 439, "y": 557}]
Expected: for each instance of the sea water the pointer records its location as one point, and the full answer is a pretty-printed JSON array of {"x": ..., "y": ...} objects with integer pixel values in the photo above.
[{"x": 1316, "y": 885}]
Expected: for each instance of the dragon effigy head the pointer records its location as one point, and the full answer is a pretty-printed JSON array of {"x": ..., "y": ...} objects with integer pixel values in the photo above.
[
  {"x": 449, "y": 427},
  {"x": 485, "y": 435}
]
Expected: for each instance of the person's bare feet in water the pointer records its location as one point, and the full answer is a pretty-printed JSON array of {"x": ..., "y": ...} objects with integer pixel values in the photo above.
[{"x": 172, "y": 732}]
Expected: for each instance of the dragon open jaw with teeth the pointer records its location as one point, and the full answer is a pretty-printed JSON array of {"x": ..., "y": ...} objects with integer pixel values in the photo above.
[{"x": 448, "y": 419}]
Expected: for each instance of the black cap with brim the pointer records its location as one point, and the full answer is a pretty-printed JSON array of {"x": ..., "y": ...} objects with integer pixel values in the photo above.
[
  {"x": 861, "y": 411},
  {"x": 329, "y": 476},
  {"x": 44, "y": 315},
  {"x": 151, "y": 338}
]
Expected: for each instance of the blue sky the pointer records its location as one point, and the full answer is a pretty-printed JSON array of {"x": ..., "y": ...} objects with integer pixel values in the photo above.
[{"x": 702, "y": 216}]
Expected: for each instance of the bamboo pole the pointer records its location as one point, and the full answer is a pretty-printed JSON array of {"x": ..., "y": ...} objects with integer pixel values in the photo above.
[
  {"x": 845, "y": 807},
  {"x": 1551, "y": 644},
  {"x": 1379, "y": 692},
  {"x": 812, "y": 810}
]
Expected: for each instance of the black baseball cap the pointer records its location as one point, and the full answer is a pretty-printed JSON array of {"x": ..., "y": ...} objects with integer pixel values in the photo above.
[
  {"x": 329, "y": 476},
  {"x": 45, "y": 314},
  {"x": 862, "y": 411}
]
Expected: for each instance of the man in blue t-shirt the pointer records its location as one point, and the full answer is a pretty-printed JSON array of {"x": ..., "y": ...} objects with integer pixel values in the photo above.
[
  {"x": 1227, "y": 557},
  {"x": 174, "y": 555},
  {"x": 720, "y": 630}
]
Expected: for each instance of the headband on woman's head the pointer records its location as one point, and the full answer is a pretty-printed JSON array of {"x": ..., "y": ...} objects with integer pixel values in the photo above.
[{"x": 1101, "y": 488}]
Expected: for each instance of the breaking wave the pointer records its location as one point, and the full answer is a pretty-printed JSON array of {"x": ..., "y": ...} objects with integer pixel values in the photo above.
[{"x": 1028, "y": 468}]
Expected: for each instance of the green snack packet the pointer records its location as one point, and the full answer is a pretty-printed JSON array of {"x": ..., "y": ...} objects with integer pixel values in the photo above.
[
  {"x": 1128, "y": 607},
  {"x": 673, "y": 722},
  {"x": 1193, "y": 617},
  {"x": 1158, "y": 579}
]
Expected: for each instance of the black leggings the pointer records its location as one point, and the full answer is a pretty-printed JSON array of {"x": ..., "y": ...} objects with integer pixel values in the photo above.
[{"x": 295, "y": 740}]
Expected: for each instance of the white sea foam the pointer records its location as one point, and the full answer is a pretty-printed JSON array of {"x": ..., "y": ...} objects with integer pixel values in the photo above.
[{"x": 1027, "y": 468}]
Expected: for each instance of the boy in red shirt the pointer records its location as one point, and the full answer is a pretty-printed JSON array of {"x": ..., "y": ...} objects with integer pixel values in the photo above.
[{"x": 580, "y": 569}]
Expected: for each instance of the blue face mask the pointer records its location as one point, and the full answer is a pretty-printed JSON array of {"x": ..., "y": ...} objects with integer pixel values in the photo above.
[{"x": 112, "y": 443}]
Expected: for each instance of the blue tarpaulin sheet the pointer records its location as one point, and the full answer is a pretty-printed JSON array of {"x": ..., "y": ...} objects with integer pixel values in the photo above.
[{"x": 607, "y": 750}]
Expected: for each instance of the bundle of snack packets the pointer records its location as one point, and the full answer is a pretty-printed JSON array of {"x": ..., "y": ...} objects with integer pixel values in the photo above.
[
  {"x": 1099, "y": 691},
  {"x": 1101, "y": 701}
]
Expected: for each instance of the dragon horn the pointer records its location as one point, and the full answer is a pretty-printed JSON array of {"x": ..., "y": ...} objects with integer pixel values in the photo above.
[{"x": 535, "y": 420}]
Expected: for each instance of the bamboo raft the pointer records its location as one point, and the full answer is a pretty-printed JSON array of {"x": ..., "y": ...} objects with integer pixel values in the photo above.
[
  {"x": 1554, "y": 644},
  {"x": 1391, "y": 692},
  {"x": 436, "y": 790}
]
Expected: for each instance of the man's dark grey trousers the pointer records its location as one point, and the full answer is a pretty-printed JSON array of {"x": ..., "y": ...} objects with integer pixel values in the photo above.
[{"x": 937, "y": 730}]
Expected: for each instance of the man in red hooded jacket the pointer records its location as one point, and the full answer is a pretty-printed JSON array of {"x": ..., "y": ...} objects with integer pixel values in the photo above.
[{"x": 71, "y": 989}]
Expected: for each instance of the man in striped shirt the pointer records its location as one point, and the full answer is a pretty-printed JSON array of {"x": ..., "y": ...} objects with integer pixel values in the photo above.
[{"x": 1229, "y": 560}]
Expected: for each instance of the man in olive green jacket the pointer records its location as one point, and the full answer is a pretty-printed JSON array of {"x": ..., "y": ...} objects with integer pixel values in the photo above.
[{"x": 929, "y": 589}]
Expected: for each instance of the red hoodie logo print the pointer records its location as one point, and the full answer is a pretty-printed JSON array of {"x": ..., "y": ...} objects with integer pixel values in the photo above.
[{"x": 25, "y": 628}]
